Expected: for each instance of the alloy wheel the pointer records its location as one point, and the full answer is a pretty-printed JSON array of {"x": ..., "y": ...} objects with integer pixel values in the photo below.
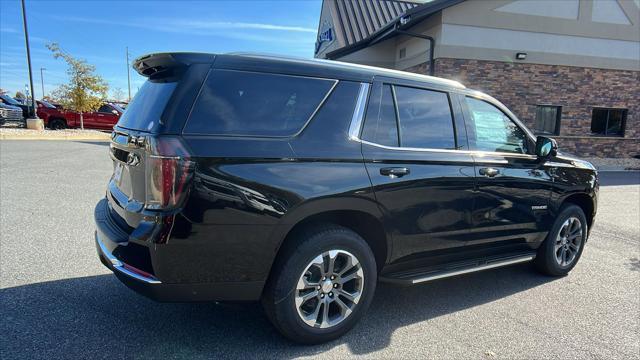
[
  {"x": 329, "y": 289},
  {"x": 568, "y": 241}
]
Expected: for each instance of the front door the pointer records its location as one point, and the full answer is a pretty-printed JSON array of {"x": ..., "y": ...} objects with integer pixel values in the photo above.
[
  {"x": 422, "y": 181},
  {"x": 105, "y": 117},
  {"x": 513, "y": 185}
]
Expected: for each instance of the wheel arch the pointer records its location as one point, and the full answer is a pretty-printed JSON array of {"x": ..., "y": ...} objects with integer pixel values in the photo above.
[
  {"x": 585, "y": 202},
  {"x": 365, "y": 221}
]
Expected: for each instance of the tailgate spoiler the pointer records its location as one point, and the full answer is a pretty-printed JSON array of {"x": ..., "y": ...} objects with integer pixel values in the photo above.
[{"x": 168, "y": 64}]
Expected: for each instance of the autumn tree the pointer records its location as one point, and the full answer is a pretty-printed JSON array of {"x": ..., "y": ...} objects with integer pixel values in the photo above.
[
  {"x": 19, "y": 95},
  {"x": 85, "y": 90}
]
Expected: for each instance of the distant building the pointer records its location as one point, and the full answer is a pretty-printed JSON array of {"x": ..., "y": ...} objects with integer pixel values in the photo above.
[{"x": 568, "y": 68}]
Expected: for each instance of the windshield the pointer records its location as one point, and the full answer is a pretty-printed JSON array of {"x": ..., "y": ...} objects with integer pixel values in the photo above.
[
  {"x": 145, "y": 109},
  {"x": 118, "y": 107},
  {"x": 9, "y": 100},
  {"x": 46, "y": 104}
]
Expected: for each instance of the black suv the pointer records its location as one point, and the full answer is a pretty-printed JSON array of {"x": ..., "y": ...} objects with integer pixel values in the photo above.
[{"x": 302, "y": 183}]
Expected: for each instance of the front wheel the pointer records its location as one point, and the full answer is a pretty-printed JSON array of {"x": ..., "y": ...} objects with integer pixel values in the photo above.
[
  {"x": 562, "y": 249},
  {"x": 57, "y": 124},
  {"x": 322, "y": 285}
]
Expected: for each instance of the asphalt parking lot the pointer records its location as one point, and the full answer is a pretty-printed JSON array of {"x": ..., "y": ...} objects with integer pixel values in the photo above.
[{"x": 58, "y": 301}]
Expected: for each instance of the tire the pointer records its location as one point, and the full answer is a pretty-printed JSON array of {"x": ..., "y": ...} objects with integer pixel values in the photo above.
[
  {"x": 566, "y": 237},
  {"x": 283, "y": 301},
  {"x": 57, "y": 124}
]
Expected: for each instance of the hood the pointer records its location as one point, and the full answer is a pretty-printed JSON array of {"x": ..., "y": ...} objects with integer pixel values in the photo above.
[{"x": 9, "y": 107}]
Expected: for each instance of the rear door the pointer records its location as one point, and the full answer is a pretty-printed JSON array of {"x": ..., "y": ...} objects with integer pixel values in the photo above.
[
  {"x": 513, "y": 186},
  {"x": 414, "y": 146}
]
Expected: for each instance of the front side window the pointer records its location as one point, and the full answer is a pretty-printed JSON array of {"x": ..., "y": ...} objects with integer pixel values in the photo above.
[
  {"x": 381, "y": 126},
  {"x": 494, "y": 130},
  {"x": 547, "y": 119},
  {"x": 255, "y": 104},
  {"x": 608, "y": 122},
  {"x": 425, "y": 118},
  {"x": 105, "y": 109}
]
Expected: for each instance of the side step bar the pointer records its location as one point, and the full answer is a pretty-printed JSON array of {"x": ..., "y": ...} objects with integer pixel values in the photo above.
[{"x": 435, "y": 274}]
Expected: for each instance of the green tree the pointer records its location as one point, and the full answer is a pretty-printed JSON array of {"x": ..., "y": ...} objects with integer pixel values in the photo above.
[{"x": 85, "y": 90}]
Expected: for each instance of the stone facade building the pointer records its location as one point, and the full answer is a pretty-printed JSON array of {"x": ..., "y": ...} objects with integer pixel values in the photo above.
[{"x": 567, "y": 68}]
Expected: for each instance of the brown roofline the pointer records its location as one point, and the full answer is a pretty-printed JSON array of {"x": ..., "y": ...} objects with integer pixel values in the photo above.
[{"x": 413, "y": 17}]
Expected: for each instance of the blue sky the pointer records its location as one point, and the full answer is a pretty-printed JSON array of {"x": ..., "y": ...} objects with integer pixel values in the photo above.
[{"x": 99, "y": 32}]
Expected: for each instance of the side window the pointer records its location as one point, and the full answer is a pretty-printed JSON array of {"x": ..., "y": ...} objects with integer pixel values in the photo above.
[
  {"x": 105, "y": 109},
  {"x": 380, "y": 126},
  {"x": 255, "y": 104},
  {"x": 425, "y": 118},
  {"x": 495, "y": 131}
]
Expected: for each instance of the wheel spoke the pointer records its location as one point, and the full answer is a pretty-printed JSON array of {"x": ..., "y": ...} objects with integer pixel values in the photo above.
[
  {"x": 325, "y": 315},
  {"x": 354, "y": 275},
  {"x": 344, "y": 309},
  {"x": 312, "y": 318},
  {"x": 354, "y": 298},
  {"x": 330, "y": 261},
  {"x": 563, "y": 255}
]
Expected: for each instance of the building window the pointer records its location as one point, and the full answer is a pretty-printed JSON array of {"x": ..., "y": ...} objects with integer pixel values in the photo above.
[
  {"x": 548, "y": 119},
  {"x": 608, "y": 122},
  {"x": 403, "y": 53}
]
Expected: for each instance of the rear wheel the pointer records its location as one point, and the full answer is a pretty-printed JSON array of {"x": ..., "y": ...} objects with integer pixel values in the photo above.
[
  {"x": 57, "y": 124},
  {"x": 562, "y": 249},
  {"x": 321, "y": 287}
]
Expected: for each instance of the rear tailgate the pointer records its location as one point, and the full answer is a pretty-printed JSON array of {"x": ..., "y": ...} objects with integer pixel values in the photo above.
[{"x": 159, "y": 110}]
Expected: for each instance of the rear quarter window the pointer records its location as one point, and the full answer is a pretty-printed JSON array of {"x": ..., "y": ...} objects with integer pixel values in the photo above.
[
  {"x": 243, "y": 103},
  {"x": 144, "y": 111}
]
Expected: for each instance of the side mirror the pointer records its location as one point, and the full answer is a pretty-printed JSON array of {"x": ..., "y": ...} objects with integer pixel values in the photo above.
[{"x": 546, "y": 147}]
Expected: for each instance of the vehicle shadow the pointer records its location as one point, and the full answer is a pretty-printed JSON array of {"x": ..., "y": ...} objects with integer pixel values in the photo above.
[{"x": 97, "y": 316}]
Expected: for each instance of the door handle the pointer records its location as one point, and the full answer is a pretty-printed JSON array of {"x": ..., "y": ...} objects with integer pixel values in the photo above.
[
  {"x": 394, "y": 172},
  {"x": 489, "y": 172}
]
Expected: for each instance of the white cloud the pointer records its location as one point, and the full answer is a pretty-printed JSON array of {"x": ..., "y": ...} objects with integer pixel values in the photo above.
[{"x": 241, "y": 25}]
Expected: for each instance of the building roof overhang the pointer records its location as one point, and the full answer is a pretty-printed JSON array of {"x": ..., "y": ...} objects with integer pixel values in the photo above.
[{"x": 405, "y": 21}]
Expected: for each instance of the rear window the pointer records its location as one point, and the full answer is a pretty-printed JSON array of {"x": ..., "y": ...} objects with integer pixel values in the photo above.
[
  {"x": 256, "y": 104},
  {"x": 425, "y": 119},
  {"x": 144, "y": 110}
]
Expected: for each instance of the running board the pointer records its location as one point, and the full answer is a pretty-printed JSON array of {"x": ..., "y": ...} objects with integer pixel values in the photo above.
[{"x": 417, "y": 276}]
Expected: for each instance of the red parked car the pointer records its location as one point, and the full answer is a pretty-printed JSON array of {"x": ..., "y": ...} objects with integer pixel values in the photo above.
[{"x": 103, "y": 119}]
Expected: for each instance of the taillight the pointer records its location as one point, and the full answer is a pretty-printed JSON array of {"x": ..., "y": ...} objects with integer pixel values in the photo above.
[{"x": 168, "y": 171}]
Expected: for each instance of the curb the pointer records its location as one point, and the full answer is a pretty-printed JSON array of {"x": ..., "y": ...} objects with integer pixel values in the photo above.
[{"x": 56, "y": 138}]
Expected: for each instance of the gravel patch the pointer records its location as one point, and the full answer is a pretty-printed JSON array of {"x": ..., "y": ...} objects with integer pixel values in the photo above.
[{"x": 629, "y": 163}]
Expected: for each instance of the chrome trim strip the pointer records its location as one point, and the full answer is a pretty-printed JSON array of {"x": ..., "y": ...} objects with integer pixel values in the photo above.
[
  {"x": 119, "y": 266},
  {"x": 478, "y": 268},
  {"x": 470, "y": 152},
  {"x": 358, "y": 113}
]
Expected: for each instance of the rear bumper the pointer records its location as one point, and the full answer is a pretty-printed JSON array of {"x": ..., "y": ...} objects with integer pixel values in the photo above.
[{"x": 109, "y": 241}]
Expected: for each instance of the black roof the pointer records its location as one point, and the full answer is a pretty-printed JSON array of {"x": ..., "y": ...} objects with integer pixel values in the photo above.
[{"x": 149, "y": 65}]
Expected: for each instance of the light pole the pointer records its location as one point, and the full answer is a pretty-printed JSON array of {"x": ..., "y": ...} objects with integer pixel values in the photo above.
[
  {"x": 42, "y": 80},
  {"x": 32, "y": 122}
]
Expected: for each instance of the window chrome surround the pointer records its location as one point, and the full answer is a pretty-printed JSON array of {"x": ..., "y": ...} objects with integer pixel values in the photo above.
[
  {"x": 478, "y": 153},
  {"x": 358, "y": 117},
  {"x": 358, "y": 113}
]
